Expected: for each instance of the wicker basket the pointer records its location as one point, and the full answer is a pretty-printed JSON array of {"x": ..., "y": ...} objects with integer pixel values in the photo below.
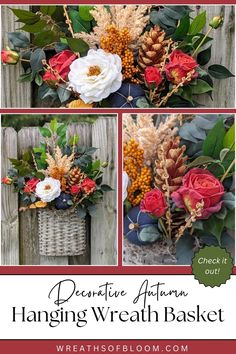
[{"x": 61, "y": 233}]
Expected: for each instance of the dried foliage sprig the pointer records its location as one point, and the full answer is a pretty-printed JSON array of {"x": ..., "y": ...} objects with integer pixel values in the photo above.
[
  {"x": 194, "y": 214},
  {"x": 131, "y": 17}
]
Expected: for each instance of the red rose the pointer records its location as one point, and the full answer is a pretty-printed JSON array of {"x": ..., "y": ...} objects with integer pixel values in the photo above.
[
  {"x": 75, "y": 189},
  {"x": 60, "y": 65},
  {"x": 7, "y": 180},
  {"x": 30, "y": 185},
  {"x": 88, "y": 186},
  {"x": 199, "y": 185},
  {"x": 154, "y": 203},
  {"x": 180, "y": 64},
  {"x": 152, "y": 75}
]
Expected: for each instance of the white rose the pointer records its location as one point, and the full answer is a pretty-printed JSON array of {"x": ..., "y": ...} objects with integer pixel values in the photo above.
[
  {"x": 48, "y": 189},
  {"x": 96, "y": 76},
  {"x": 125, "y": 180}
]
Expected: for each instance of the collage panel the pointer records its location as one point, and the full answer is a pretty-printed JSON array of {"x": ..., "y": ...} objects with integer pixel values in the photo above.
[
  {"x": 118, "y": 56},
  {"x": 178, "y": 186},
  {"x": 59, "y": 189}
]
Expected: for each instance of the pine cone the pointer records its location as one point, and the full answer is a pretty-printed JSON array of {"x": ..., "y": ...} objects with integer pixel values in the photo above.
[
  {"x": 170, "y": 155},
  {"x": 153, "y": 48},
  {"x": 75, "y": 176}
]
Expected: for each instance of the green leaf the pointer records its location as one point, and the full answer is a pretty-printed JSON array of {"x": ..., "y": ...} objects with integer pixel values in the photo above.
[
  {"x": 106, "y": 188},
  {"x": 78, "y": 24},
  {"x": 63, "y": 93},
  {"x": 26, "y": 156},
  {"x": 229, "y": 200},
  {"x": 187, "y": 93},
  {"x": 84, "y": 12},
  {"x": 200, "y": 161},
  {"x": 74, "y": 140},
  {"x": 44, "y": 38},
  {"x": 219, "y": 72},
  {"x": 198, "y": 23},
  {"x": 96, "y": 165},
  {"x": 38, "y": 79},
  {"x": 182, "y": 28},
  {"x": 224, "y": 153},
  {"x": 229, "y": 138},
  {"x": 204, "y": 56},
  {"x": 36, "y": 60},
  {"x": 26, "y": 16},
  {"x": 26, "y": 77},
  {"x": 45, "y": 132},
  {"x": 48, "y": 10},
  {"x": 200, "y": 86},
  {"x": 213, "y": 143},
  {"x": 61, "y": 130},
  {"x": 35, "y": 28},
  {"x": 53, "y": 125},
  {"x": 18, "y": 40},
  {"x": 77, "y": 45},
  {"x": 215, "y": 227},
  {"x": 222, "y": 213},
  {"x": 230, "y": 220}
]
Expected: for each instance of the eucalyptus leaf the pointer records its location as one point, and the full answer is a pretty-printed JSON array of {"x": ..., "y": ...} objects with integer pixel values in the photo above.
[
  {"x": 63, "y": 93},
  {"x": 149, "y": 234},
  {"x": 229, "y": 200},
  {"x": 18, "y": 40},
  {"x": 184, "y": 249},
  {"x": 36, "y": 60}
]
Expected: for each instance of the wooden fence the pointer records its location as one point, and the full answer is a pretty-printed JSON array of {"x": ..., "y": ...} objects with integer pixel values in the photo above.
[
  {"x": 19, "y": 239},
  {"x": 17, "y": 94}
]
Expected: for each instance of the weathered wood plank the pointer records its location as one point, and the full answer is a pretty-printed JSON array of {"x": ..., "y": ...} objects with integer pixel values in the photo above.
[
  {"x": 29, "y": 246},
  {"x": 10, "y": 221},
  {"x": 84, "y": 131},
  {"x": 14, "y": 93},
  {"x": 223, "y": 54},
  {"x": 104, "y": 224}
]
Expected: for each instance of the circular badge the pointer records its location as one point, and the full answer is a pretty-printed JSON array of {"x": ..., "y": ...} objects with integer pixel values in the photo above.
[{"x": 212, "y": 266}]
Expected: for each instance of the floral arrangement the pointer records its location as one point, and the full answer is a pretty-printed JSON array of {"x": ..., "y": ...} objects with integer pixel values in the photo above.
[
  {"x": 116, "y": 56},
  {"x": 178, "y": 181},
  {"x": 58, "y": 175}
]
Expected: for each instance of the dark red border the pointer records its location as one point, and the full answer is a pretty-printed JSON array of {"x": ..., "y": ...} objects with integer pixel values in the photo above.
[{"x": 49, "y": 346}]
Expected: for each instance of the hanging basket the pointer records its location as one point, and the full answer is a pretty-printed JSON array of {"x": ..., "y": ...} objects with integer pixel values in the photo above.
[{"x": 61, "y": 233}]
